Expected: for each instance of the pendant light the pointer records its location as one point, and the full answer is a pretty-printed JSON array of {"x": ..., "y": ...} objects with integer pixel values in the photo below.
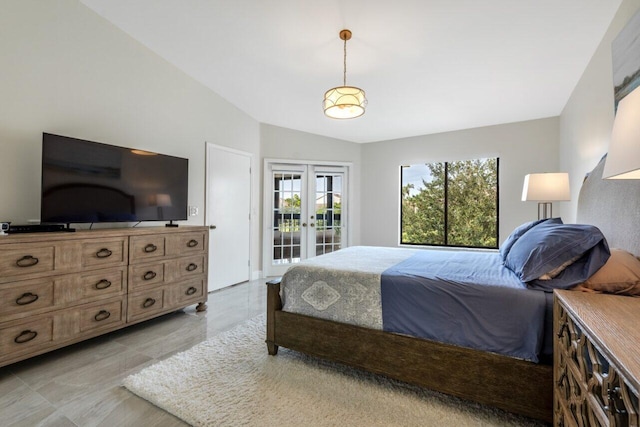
[{"x": 344, "y": 102}]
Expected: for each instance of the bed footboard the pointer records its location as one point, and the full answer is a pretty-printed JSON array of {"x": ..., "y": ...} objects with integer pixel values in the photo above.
[{"x": 511, "y": 384}]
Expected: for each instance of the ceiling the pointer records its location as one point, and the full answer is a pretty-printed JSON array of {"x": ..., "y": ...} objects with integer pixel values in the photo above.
[{"x": 427, "y": 66}]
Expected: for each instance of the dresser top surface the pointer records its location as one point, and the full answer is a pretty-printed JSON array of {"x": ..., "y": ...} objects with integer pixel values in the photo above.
[
  {"x": 96, "y": 233},
  {"x": 612, "y": 322}
]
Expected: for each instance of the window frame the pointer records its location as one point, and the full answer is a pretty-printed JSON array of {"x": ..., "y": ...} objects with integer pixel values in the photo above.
[{"x": 446, "y": 209}]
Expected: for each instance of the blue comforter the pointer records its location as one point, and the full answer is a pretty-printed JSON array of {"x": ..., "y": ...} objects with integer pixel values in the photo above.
[{"x": 468, "y": 299}]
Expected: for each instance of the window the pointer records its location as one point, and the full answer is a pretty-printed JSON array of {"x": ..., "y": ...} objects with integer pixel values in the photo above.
[{"x": 450, "y": 204}]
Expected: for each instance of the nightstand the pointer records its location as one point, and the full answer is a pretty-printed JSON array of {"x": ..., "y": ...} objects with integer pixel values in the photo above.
[{"x": 596, "y": 359}]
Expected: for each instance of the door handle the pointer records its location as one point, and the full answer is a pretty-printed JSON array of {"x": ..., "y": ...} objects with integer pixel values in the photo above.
[
  {"x": 212, "y": 227},
  {"x": 312, "y": 225},
  {"x": 304, "y": 224}
]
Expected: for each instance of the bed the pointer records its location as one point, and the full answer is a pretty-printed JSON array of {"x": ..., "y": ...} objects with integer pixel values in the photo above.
[{"x": 516, "y": 382}]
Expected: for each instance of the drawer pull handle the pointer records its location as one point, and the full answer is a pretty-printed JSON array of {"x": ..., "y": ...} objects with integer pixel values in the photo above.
[
  {"x": 563, "y": 377},
  {"x": 27, "y": 298},
  {"x": 148, "y": 302},
  {"x": 104, "y": 253},
  {"x": 150, "y": 248},
  {"x": 616, "y": 404},
  {"x": 149, "y": 275},
  {"x": 27, "y": 261},
  {"x": 103, "y": 284},
  {"x": 192, "y": 243},
  {"x": 191, "y": 267},
  {"x": 191, "y": 291},
  {"x": 25, "y": 336},
  {"x": 102, "y": 315},
  {"x": 563, "y": 327}
]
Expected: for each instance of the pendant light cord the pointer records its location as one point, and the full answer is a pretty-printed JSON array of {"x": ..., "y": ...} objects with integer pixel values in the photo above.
[{"x": 344, "y": 75}]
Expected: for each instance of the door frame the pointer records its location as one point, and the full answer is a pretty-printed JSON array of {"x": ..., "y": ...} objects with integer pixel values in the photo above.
[
  {"x": 207, "y": 199},
  {"x": 267, "y": 202}
]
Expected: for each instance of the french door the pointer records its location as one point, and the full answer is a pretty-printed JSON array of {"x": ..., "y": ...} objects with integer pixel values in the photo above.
[{"x": 306, "y": 213}]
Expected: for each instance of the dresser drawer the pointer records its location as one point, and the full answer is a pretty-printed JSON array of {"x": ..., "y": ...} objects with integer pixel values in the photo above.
[
  {"x": 26, "y": 337},
  {"x": 145, "y": 304},
  {"x": 181, "y": 268},
  {"x": 93, "y": 285},
  {"x": 145, "y": 275},
  {"x": 101, "y": 316},
  {"x": 21, "y": 299},
  {"x": 105, "y": 252},
  {"x": 186, "y": 243},
  {"x": 186, "y": 292},
  {"x": 142, "y": 248},
  {"x": 23, "y": 259}
]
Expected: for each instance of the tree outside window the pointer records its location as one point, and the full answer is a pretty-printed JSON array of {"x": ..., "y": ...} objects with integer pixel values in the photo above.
[{"x": 450, "y": 203}]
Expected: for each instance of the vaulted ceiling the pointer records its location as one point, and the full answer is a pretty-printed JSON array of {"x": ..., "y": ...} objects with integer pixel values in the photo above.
[{"x": 427, "y": 66}]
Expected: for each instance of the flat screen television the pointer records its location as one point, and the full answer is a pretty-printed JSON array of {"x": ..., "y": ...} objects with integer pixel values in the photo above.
[{"x": 91, "y": 182}]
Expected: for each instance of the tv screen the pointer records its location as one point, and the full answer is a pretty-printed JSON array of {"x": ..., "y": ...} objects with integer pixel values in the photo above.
[{"x": 84, "y": 181}]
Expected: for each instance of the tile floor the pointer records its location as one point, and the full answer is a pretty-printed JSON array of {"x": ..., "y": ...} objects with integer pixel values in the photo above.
[{"x": 80, "y": 385}]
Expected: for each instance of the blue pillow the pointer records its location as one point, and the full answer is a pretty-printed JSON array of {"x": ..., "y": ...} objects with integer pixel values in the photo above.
[
  {"x": 548, "y": 245},
  {"x": 578, "y": 272},
  {"x": 519, "y": 232}
]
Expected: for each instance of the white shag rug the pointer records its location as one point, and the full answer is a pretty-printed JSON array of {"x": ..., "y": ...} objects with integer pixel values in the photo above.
[{"x": 230, "y": 380}]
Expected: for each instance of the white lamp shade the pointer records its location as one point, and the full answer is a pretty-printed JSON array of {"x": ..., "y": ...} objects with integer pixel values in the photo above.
[
  {"x": 160, "y": 199},
  {"x": 546, "y": 187},
  {"x": 623, "y": 160},
  {"x": 344, "y": 102},
  {"x": 163, "y": 200}
]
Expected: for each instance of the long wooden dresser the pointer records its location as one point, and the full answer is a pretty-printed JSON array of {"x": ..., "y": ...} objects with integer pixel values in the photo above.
[
  {"x": 60, "y": 288},
  {"x": 596, "y": 359}
]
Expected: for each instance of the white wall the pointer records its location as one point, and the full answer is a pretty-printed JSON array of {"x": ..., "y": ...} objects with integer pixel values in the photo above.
[
  {"x": 587, "y": 119},
  {"x": 289, "y": 144},
  {"x": 65, "y": 70},
  {"x": 524, "y": 147}
]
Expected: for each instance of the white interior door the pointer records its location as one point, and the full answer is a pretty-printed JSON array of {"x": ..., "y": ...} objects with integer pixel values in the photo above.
[
  {"x": 305, "y": 213},
  {"x": 228, "y": 216}
]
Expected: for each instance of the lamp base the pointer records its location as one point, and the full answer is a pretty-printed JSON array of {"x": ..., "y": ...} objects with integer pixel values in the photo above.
[{"x": 545, "y": 210}]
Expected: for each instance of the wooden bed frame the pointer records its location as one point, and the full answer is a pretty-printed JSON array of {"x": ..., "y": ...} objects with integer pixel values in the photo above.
[{"x": 511, "y": 384}]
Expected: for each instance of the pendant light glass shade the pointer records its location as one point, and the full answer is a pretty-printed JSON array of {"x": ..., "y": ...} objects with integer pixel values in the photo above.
[{"x": 344, "y": 102}]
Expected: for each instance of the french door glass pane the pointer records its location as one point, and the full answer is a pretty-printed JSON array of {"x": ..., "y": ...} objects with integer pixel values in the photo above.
[
  {"x": 286, "y": 217},
  {"x": 327, "y": 211}
]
